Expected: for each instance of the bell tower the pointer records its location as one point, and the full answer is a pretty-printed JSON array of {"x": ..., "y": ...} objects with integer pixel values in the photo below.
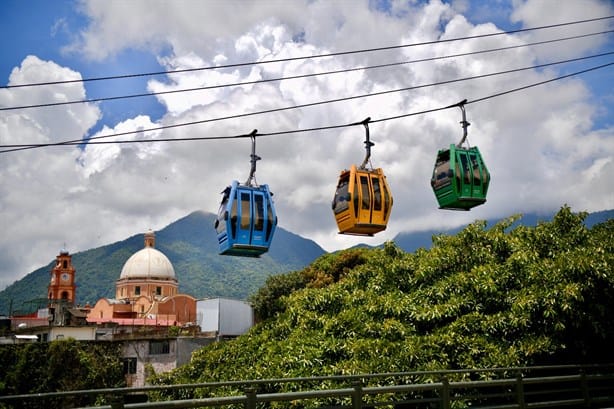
[{"x": 62, "y": 287}]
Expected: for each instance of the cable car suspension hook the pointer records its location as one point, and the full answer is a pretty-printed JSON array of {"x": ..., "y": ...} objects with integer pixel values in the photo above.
[
  {"x": 464, "y": 124},
  {"x": 368, "y": 144},
  {"x": 251, "y": 180}
]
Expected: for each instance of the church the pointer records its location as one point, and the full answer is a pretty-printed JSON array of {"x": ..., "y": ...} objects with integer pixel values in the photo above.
[
  {"x": 157, "y": 326},
  {"x": 146, "y": 293}
]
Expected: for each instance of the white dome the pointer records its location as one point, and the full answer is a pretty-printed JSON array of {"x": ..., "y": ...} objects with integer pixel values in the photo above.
[{"x": 148, "y": 263}]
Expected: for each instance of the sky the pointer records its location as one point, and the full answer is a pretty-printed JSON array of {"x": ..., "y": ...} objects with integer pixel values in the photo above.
[{"x": 545, "y": 146}]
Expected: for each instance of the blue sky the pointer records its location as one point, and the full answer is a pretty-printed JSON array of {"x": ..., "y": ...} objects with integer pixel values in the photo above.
[
  {"x": 545, "y": 147},
  {"x": 46, "y": 29}
]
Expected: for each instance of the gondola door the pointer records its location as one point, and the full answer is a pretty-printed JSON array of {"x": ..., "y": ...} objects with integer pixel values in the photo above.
[
  {"x": 258, "y": 227},
  {"x": 255, "y": 221},
  {"x": 462, "y": 160},
  {"x": 381, "y": 200},
  {"x": 244, "y": 217},
  {"x": 365, "y": 199},
  {"x": 472, "y": 176}
]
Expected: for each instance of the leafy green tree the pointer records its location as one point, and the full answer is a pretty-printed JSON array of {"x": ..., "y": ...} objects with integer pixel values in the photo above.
[
  {"x": 59, "y": 366},
  {"x": 330, "y": 268},
  {"x": 499, "y": 297}
]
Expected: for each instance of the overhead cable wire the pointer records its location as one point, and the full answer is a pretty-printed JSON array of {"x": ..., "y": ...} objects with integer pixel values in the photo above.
[
  {"x": 498, "y": 94},
  {"x": 443, "y": 108},
  {"x": 326, "y": 55},
  {"x": 267, "y": 80},
  {"x": 92, "y": 141}
]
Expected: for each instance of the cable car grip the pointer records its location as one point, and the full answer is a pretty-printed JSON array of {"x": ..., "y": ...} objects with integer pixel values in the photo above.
[
  {"x": 368, "y": 143},
  {"x": 253, "y": 158},
  {"x": 463, "y": 123}
]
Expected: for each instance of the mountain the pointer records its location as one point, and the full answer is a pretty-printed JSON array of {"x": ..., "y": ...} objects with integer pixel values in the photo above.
[
  {"x": 410, "y": 242},
  {"x": 191, "y": 245}
]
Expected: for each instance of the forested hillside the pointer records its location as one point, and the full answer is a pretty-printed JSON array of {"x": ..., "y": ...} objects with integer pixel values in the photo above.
[
  {"x": 486, "y": 297},
  {"x": 191, "y": 246}
]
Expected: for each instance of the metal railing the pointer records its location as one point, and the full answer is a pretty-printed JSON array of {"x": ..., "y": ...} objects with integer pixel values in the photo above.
[{"x": 570, "y": 386}]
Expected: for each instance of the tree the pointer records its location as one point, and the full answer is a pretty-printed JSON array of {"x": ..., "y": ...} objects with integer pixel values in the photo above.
[
  {"x": 498, "y": 297},
  {"x": 61, "y": 365}
]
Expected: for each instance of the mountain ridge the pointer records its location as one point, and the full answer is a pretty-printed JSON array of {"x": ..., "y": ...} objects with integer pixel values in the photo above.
[{"x": 200, "y": 270}]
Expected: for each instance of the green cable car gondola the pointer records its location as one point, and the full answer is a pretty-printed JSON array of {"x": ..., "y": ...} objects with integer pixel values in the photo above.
[{"x": 460, "y": 177}]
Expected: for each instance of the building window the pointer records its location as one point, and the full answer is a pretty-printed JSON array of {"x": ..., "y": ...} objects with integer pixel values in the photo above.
[
  {"x": 137, "y": 290},
  {"x": 159, "y": 347},
  {"x": 158, "y": 290},
  {"x": 65, "y": 264},
  {"x": 129, "y": 366}
]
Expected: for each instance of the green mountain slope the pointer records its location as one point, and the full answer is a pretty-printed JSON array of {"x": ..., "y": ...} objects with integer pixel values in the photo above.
[
  {"x": 486, "y": 297},
  {"x": 191, "y": 245},
  {"x": 411, "y": 242}
]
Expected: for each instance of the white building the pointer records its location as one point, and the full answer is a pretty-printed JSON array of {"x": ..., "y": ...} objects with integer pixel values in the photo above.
[{"x": 224, "y": 317}]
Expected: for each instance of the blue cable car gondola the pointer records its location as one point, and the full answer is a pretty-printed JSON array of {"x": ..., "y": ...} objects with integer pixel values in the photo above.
[
  {"x": 246, "y": 219},
  {"x": 460, "y": 178}
]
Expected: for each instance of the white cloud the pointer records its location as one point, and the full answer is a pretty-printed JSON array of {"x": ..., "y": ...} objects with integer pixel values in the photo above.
[
  {"x": 536, "y": 13},
  {"x": 540, "y": 145},
  {"x": 35, "y": 199}
]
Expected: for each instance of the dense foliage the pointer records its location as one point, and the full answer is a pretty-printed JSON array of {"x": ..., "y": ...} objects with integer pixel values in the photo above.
[
  {"x": 62, "y": 365},
  {"x": 498, "y": 297}
]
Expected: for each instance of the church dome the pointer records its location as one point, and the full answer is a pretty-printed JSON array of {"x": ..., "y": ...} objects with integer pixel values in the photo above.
[{"x": 148, "y": 263}]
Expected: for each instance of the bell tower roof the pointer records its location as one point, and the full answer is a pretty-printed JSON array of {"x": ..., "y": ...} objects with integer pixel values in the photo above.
[{"x": 150, "y": 238}]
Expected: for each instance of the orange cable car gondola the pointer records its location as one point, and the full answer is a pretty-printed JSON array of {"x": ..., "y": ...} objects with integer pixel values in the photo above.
[{"x": 362, "y": 202}]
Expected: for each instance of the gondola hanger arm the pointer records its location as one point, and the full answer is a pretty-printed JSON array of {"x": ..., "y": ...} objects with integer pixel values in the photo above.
[
  {"x": 463, "y": 123},
  {"x": 368, "y": 143},
  {"x": 253, "y": 159}
]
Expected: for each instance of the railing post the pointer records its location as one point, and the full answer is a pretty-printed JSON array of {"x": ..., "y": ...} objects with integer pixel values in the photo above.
[
  {"x": 116, "y": 401},
  {"x": 445, "y": 393},
  {"x": 584, "y": 385},
  {"x": 251, "y": 398},
  {"x": 520, "y": 392},
  {"x": 357, "y": 395}
]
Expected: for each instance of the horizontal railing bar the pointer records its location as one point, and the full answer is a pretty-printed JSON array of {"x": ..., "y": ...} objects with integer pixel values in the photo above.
[
  {"x": 376, "y": 390},
  {"x": 569, "y": 386},
  {"x": 551, "y": 379},
  {"x": 322, "y": 393},
  {"x": 478, "y": 384},
  {"x": 126, "y": 390},
  {"x": 555, "y": 403},
  {"x": 180, "y": 404}
]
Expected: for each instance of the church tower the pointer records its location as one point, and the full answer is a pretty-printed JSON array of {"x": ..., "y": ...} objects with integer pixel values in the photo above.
[{"x": 62, "y": 288}]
